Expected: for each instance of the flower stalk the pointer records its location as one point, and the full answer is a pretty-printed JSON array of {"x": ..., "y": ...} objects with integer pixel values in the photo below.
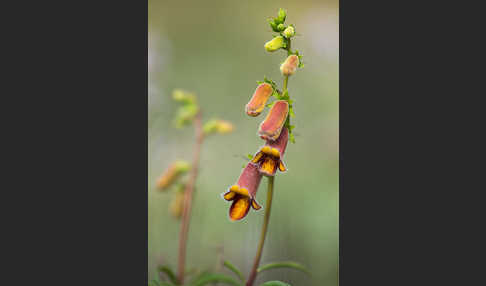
[
  {"x": 188, "y": 196},
  {"x": 263, "y": 234},
  {"x": 268, "y": 205},
  {"x": 181, "y": 206}
]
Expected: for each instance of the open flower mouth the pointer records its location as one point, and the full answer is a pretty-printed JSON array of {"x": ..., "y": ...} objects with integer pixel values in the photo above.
[
  {"x": 241, "y": 202},
  {"x": 269, "y": 158},
  {"x": 243, "y": 193}
]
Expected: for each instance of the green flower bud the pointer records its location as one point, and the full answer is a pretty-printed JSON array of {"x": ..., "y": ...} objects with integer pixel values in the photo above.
[
  {"x": 273, "y": 25},
  {"x": 281, "y": 27},
  {"x": 275, "y": 44},
  {"x": 281, "y": 15},
  {"x": 289, "y": 32}
]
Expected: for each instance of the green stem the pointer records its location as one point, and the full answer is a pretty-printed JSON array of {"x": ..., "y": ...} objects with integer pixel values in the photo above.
[
  {"x": 286, "y": 82},
  {"x": 266, "y": 219}
]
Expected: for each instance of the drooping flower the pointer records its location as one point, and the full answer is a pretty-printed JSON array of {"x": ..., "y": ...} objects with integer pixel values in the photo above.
[
  {"x": 290, "y": 65},
  {"x": 244, "y": 192},
  {"x": 257, "y": 102},
  {"x": 271, "y": 127},
  {"x": 270, "y": 156}
]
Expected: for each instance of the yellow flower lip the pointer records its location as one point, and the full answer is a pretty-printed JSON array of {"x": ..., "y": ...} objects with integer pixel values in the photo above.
[
  {"x": 239, "y": 208},
  {"x": 243, "y": 192},
  {"x": 229, "y": 196},
  {"x": 275, "y": 153},
  {"x": 269, "y": 158},
  {"x": 266, "y": 149},
  {"x": 260, "y": 97},
  {"x": 269, "y": 151}
]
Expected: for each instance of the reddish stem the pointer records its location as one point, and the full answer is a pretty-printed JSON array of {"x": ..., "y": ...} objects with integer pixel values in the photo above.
[{"x": 188, "y": 194}]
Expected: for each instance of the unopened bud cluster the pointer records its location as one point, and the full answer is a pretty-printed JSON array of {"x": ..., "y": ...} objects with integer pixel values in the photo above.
[{"x": 285, "y": 32}]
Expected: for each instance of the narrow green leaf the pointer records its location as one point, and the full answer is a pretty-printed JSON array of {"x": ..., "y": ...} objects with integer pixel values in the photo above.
[
  {"x": 275, "y": 283},
  {"x": 285, "y": 264},
  {"x": 199, "y": 275},
  {"x": 169, "y": 273},
  {"x": 234, "y": 269},
  {"x": 209, "y": 278}
]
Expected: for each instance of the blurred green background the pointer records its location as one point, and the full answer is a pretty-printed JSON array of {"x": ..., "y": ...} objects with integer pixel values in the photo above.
[{"x": 215, "y": 49}]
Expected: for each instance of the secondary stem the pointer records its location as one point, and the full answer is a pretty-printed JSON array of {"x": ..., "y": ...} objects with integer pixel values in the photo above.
[
  {"x": 266, "y": 219},
  {"x": 186, "y": 212}
]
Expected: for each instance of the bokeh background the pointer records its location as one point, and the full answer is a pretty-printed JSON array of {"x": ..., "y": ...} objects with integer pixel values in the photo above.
[{"x": 215, "y": 49}]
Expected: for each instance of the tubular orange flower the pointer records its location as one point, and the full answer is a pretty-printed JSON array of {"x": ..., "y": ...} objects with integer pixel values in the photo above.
[
  {"x": 258, "y": 100},
  {"x": 243, "y": 193},
  {"x": 289, "y": 65},
  {"x": 271, "y": 127},
  {"x": 269, "y": 158}
]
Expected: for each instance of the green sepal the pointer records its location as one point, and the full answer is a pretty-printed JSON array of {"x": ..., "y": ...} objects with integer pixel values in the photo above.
[
  {"x": 273, "y": 25},
  {"x": 281, "y": 16}
]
